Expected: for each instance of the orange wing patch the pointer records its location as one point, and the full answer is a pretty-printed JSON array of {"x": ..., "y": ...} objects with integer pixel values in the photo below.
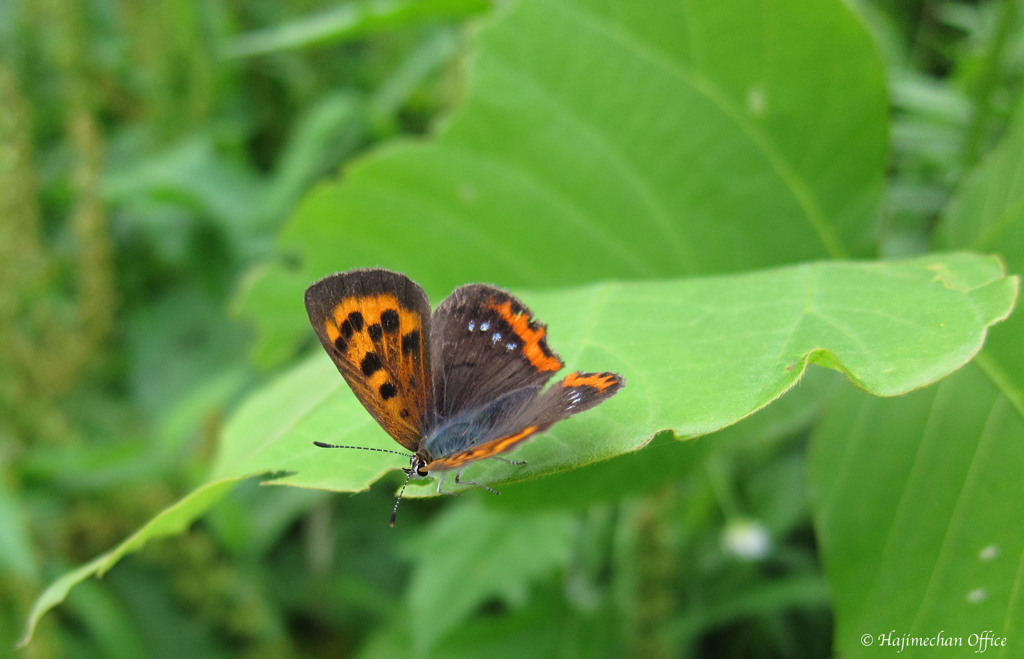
[
  {"x": 534, "y": 346},
  {"x": 488, "y": 450},
  {"x": 379, "y": 346},
  {"x": 599, "y": 381}
]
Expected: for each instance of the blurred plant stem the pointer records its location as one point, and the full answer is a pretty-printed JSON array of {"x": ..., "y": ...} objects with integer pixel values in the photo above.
[
  {"x": 988, "y": 81},
  {"x": 654, "y": 563},
  {"x": 49, "y": 344}
]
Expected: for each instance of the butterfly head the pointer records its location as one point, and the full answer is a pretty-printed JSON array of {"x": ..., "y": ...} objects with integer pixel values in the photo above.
[{"x": 417, "y": 467}]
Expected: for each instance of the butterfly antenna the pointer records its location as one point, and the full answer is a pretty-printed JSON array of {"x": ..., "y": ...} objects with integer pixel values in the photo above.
[
  {"x": 362, "y": 448},
  {"x": 394, "y": 511}
]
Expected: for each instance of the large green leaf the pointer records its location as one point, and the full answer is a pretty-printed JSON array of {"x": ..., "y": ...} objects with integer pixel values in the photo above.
[
  {"x": 918, "y": 501},
  {"x": 697, "y": 354},
  {"x": 634, "y": 119},
  {"x": 919, "y": 510},
  {"x": 605, "y": 140}
]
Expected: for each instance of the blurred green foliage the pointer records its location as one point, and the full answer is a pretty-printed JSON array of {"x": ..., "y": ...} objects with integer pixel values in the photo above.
[
  {"x": 144, "y": 170},
  {"x": 152, "y": 152}
]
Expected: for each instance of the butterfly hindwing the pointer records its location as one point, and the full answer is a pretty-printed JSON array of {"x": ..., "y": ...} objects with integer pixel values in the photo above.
[
  {"x": 486, "y": 343},
  {"x": 375, "y": 325},
  {"x": 575, "y": 393}
]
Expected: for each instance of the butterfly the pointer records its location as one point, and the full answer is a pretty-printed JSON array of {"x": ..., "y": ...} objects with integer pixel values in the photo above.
[{"x": 461, "y": 384}]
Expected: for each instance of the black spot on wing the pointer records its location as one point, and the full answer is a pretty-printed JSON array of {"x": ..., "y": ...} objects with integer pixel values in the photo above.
[
  {"x": 389, "y": 321},
  {"x": 411, "y": 342},
  {"x": 371, "y": 364},
  {"x": 387, "y": 390}
]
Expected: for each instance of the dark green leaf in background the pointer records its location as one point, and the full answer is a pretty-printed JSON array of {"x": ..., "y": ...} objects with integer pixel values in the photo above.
[
  {"x": 987, "y": 215},
  {"x": 918, "y": 507},
  {"x": 482, "y": 566},
  {"x": 918, "y": 500},
  {"x": 659, "y": 140}
]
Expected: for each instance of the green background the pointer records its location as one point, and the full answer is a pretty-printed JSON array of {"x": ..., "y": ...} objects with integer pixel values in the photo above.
[{"x": 712, "y": 198}]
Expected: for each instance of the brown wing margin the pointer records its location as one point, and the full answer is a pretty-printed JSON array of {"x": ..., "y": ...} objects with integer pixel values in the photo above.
[{"x": 375, "y": 325}]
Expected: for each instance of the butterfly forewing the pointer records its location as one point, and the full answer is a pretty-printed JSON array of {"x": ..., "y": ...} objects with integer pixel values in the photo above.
[
  {"x": 375, "y": 325},
  {"x": 486, "y": 343}
]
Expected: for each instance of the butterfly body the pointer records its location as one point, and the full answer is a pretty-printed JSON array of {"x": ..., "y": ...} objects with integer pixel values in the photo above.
[{"x": 463, "y": 383}]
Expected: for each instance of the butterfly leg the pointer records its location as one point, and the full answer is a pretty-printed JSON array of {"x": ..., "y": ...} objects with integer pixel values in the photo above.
[
  {"x": 458, "y": 476},
  {"x": 440, "y": 482}
]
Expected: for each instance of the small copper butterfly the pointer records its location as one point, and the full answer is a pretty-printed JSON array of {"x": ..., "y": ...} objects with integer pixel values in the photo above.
[{"x": 461, "y": 384}]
